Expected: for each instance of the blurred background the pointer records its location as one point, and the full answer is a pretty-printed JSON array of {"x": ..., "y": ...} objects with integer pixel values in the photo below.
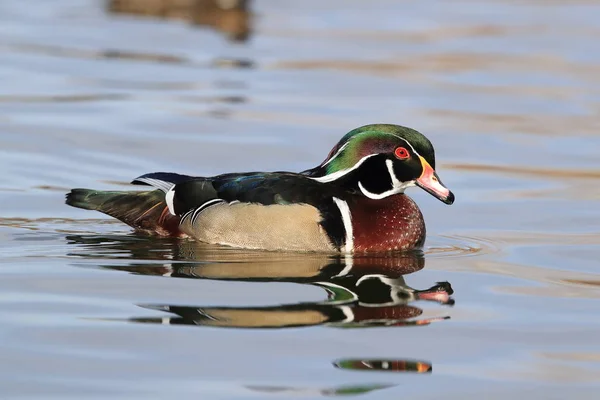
[{"x": 96, "y": 92}]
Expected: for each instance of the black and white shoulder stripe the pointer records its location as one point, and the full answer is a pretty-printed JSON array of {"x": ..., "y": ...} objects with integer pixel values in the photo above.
[{"x": 195, "y": 212}]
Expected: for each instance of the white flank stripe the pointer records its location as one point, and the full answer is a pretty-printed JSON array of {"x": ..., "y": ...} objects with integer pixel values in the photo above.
[
  {"x": 347, "y": 220},
  {"x": 169, "y": 199},
  {"x": 184, "y": 216},
  {"x": 203, "y": 207}
]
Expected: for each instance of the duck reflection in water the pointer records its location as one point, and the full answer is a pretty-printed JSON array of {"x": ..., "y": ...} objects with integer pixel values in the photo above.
[{"x": 361, "y": 291}]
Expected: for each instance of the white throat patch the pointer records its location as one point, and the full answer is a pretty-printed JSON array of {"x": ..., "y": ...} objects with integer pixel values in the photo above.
[{"x": 397, "y": 186}]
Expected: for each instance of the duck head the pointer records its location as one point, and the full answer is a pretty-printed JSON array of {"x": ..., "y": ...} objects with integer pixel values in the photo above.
[{"x": 381, "y": 160}]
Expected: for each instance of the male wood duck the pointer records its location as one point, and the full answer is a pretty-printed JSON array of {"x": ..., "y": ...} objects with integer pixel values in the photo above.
[{"x": 353, "y": 202}]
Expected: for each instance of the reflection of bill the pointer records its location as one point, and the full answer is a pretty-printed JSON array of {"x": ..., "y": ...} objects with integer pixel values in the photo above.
[{"x": 230, "y": 17}]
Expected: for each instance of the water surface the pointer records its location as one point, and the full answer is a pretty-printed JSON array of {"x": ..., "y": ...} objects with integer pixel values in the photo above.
[{"x": 504, "y": 300}]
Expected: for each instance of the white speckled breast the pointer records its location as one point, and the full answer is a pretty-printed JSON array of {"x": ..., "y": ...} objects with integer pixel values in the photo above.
[{"x": 393, "y": 223}]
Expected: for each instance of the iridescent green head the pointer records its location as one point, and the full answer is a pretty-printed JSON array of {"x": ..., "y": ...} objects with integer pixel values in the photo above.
[{"x": 383, "y": 160}]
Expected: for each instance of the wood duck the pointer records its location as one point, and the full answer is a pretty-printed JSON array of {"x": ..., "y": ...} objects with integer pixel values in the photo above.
[{"x": 353, "y": 202}]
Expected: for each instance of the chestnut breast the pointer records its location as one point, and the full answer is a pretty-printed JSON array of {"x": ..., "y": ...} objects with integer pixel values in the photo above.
[{"x": 392, "y": 223}]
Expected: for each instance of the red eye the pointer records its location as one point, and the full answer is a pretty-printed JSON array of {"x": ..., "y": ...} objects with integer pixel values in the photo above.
[{"x": 402, "y": 153}]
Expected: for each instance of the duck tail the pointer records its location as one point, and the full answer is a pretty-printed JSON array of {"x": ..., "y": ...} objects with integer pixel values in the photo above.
[{"x": 145, "y": 211}]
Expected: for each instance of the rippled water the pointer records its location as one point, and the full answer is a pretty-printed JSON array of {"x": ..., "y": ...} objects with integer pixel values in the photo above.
[{"x": 503, "y": 300}]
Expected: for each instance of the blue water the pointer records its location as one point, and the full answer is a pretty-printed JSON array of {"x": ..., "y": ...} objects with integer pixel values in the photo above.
[{"x": 508, "y": 92}]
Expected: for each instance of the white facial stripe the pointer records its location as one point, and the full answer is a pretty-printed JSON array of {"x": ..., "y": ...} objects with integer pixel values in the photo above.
[
  {"x": 342, "y": 148},
  {"x": 347, "y": 220},
  {"x": 336, "y": 154},
  {"x": 338, "y": 174},
  {"x": 409, "y": 145},
  {"x": 169, "y": 199}
]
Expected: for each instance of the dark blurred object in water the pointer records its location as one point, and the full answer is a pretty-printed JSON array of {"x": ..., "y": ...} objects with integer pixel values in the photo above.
[
  {"x": 231, "y": 17},
  {"x": 345, "y": 390},
  {"x": 385, "y": 365}
]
